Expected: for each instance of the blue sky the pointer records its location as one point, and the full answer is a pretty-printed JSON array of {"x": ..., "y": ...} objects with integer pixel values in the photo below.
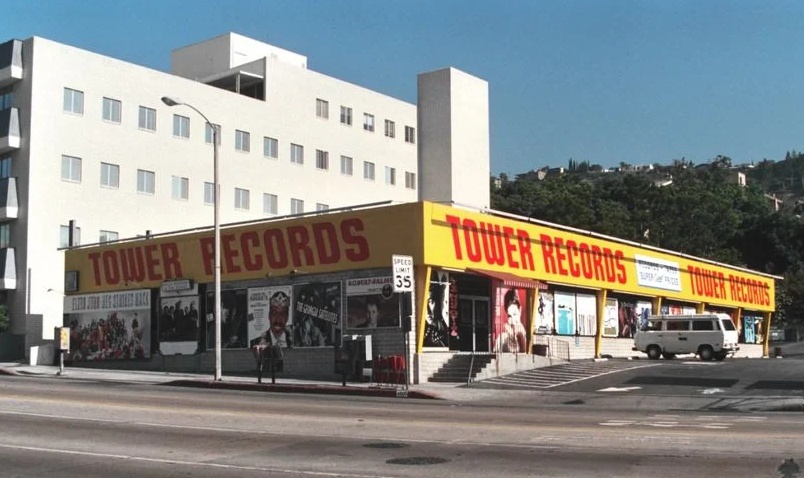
[{"x": 607, "y": 81}]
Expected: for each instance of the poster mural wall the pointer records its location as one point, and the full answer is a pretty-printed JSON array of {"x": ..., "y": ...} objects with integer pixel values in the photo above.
[
  {"x": 269, "y": 318},
  {"x": 316, "y": 314},
  {"x": 438, "y": 324},
  {"x": 178, "y": 324},
  {"x": 509, "y": 320},
  {"x": 586, "y": 306},
  {"x": 565, "y": 313},
  {"x": 109, "y": 326},
  {"x": 234, "y": 307},
  {"x": 371, "y": 303}
]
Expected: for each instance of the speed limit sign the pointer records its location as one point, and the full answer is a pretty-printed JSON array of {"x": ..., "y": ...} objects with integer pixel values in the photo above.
[{"x": 403, "y": 273}]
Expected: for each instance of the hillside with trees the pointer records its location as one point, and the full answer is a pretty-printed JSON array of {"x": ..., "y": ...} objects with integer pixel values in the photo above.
[{"x": 698, "y": 210}]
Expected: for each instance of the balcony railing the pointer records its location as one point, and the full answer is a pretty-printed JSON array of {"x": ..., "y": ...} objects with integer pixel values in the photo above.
[{"x": 10, "y": 62}]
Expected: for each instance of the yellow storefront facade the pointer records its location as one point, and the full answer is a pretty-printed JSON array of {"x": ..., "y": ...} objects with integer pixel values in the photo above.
[{"x": 484, "y": 283}]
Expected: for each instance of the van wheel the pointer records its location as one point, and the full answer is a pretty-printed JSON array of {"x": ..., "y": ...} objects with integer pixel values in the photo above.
[
  {"x": 668, "y": 356},
  {"x": 654, "y": 352},
  {"x": 720, "y": 356},
  {"x": 706, "y": 353}
]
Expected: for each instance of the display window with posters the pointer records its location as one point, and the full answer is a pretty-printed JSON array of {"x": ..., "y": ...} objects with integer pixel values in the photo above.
[
  {"x": 544, "y": 322},
  {"x": 611, "y": 324},
  {"x": 751, "y": 330},
  {"x": 269, "y": 317},
  {"x": 627, "y": 318},
  {"x": 109, "y": 326},
  {"x": 586, "y": 314},
  {"x": 510, "y": 319},
  {"x": 234, "y": 323},
  {"x": 565, "y": 313},
  {"x": 644, "y": 309},
  {"x": 674, "y": 308},
  {"x": 316, "y": 314},
  {"x": 371, "y": 303},
  {"x": 178, "y": 324}
]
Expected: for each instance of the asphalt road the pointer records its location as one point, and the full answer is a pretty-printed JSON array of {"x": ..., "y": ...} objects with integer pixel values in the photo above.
[{"x": 58, "y": 428}]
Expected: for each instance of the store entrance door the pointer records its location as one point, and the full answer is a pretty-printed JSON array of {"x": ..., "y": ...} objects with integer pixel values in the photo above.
[{"x": 473, "y": 323}]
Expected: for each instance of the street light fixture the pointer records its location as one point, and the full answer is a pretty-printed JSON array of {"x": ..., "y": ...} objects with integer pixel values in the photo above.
[{"x": 217, "y": 227}]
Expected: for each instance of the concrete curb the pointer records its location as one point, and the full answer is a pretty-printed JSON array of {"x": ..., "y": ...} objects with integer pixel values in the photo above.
[
  {"x": 5, "y": 371},
  {"x": 299, "y": 388}
]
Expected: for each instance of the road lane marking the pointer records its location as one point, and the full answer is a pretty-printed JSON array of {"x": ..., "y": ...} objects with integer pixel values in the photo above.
[
  {"x": 185, "y": 462},
  {"x": 619, "y": 389}
]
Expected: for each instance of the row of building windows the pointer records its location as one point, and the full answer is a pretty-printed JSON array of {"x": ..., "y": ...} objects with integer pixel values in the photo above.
[
  {"x": 180, "y": 186},
  {"x": 322, "y": 111},
  {"x": 71, "y": 170},
  {"x": 74, "y": 103}
]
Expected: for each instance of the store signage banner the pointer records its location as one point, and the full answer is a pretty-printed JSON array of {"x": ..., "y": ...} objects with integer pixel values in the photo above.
[
  {"x": 463, "y": 239},
  {"x": 324, "y": 243}
]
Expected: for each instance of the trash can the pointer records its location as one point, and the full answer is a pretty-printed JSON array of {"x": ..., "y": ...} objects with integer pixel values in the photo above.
[
  {"x": 777, "y": 351},
  {"x": 540, "y": 349}
]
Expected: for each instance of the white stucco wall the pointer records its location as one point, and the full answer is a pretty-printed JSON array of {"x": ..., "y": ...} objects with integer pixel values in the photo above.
[{"x": 288, "y": 114}]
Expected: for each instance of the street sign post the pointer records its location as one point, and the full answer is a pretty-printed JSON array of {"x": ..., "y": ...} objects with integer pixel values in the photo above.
[
  {"x": 403, "y": 285},
  {"x": 403, "y": 273}
]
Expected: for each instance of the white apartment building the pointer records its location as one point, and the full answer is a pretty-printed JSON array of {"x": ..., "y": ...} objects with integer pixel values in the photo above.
[{"x": 86, "y": 138}]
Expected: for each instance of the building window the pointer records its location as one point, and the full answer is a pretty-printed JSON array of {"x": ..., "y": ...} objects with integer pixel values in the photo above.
[
  {"x": 296, "y": 153},
  {"x": 146, "y": 181},
  {"x": 73, "y": 101},
  {"x": 390, "y": 176},
  {"x": 209, "y": 194},
  {"x": 6, "y": 98},
  {"x": 368, "y": 170},
  {"x": 241, "y": 199},
  {"x": 5, "y": 235},
  {"x": 410, "y": 180},
  {"x": 108, "y": 236},
  {"x": 70, "y": 168},
  {"x": 110, "y": 175},
  {"x": 270, "y": 203},
  {"x": 242, "y": 141},
  {"x": 181, "y": 188},
  {"x": 368, "y": 122},
  {"x": 181, "y": 126},
  {"x": 147, "y": 118},
  {"x": 321, "y": 159},
  {"x": 410, "y": 134},
  {"x": 346, "y": 165},
  {"x": 322, "y": 108},
  {"x": 208, "y": 133},
  {"x": 296, "y": 206},
  {"x": 270, "y": 147},
  {"x": 5, "y": 167},
  {"x": 390, "y": 129},
  {"x": 346, "y": 115},
  {"x": 64, "y": 236},
  {"x": 112, "y": 110},
  {"x": 321, "y": 206}
]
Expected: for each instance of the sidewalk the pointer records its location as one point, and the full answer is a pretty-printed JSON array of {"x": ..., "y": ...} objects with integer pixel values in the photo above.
[{"x": 233, "y": 382}]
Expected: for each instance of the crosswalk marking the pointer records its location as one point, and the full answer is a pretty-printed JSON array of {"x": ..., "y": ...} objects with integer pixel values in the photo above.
[{"x": 549, "y": 377}]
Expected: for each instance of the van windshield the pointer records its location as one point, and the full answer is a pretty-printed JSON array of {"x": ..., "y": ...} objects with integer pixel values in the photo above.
[{"x": 728, "y": 325}]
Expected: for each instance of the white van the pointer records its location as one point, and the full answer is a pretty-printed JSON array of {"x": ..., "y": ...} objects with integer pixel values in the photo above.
[{"x": 707, "y": 335}]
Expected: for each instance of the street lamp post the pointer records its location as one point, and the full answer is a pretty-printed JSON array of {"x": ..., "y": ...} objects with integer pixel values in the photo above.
[{"x": 217, "y": 227}]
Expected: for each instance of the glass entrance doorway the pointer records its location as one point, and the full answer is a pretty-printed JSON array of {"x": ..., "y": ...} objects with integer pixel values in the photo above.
[{"x": 473, "y": 323}]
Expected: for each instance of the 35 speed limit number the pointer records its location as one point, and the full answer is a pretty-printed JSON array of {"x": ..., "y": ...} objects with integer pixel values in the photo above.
[{"x": 403, "y": 273}]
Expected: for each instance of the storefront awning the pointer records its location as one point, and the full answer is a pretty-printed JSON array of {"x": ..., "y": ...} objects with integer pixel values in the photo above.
[{"x": 510, "y": 280}]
